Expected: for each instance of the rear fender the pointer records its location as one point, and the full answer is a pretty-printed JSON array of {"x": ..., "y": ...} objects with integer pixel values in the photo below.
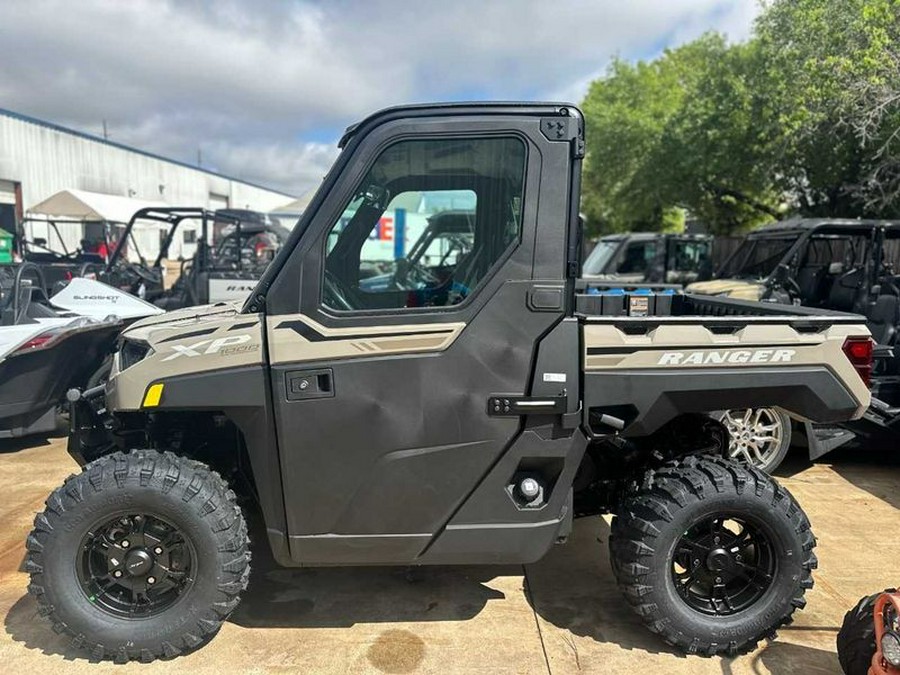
[{"x": 654, "y": 397}]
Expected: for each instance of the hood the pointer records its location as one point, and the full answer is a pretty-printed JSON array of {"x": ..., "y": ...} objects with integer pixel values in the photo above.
[
  {"x": 732, "y": 288},
  {"x": 183, "y": 318}
]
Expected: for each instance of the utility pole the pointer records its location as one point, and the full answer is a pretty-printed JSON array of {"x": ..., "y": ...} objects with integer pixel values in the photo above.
[
  {"x": 199, "y": 157},
  {"x": 105, "y": 132}
]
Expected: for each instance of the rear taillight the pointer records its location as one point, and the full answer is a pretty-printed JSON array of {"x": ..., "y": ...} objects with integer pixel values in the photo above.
[
  {"x": 859, "y": 350},
  {"x": 37, "y": 342}
]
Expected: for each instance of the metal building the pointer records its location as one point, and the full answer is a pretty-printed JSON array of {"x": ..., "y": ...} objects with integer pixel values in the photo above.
[{"x": 39, "y": 159}]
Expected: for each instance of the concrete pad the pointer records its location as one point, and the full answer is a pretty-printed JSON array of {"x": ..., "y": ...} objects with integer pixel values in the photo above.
[{"x": 563, "y": 615}]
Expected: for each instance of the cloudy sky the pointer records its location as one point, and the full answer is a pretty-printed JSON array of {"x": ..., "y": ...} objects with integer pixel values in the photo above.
[{"x": 263, "y": 89}]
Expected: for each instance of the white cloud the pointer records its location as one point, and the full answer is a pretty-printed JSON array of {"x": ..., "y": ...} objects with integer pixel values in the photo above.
[{"x": 261, "y": 86}]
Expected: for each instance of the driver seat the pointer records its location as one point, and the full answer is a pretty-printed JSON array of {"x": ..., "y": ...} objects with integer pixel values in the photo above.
[{"x": 883, "y": 319}]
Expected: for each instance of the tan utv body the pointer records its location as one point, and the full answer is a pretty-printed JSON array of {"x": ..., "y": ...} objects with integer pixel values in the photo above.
[{"x": 463, "y": 406}]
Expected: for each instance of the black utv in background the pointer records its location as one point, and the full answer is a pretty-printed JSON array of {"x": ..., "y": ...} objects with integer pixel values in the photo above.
[
  {"x": 650, "y": 257},
  {"x": 234, "y": 247},
  {"x": 835, "y": 264}
]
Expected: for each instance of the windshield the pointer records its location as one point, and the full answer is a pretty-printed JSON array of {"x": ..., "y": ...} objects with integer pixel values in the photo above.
[
  {"x": 601, "y": 255},
  {"x": 757, "y": 258}
]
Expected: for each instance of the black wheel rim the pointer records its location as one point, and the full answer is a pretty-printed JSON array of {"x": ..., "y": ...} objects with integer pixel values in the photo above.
[
  {"x": 723, "y": 565},
  {"x": 135, "y": 565}
]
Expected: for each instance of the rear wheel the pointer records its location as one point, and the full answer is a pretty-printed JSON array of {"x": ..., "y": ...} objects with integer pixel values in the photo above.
[
  {"x": 713, "y": 556},
  {"x": 856, "y": 639},
  {"x": 759, "y": 437},
  {"x": 141, "y": 556}
]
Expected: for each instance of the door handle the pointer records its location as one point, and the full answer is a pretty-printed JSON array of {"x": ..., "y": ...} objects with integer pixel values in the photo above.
[
  {"x": 305, "y": 384},
  {"x": 513, "y": 406}
]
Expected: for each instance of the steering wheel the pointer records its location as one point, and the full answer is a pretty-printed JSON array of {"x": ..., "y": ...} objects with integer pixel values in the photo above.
[
  {"x": 150, "y": 276},
  {"x": 90, "y": 268},
  {"x": 407, "y": 273},
  {"x": 334, "y": 292}
]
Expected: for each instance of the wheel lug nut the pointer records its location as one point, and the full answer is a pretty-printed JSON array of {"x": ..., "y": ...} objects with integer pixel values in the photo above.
[
  {"x": 125, "y": 543},
  {"x": 158, "y": 550},
  {"x": 117, "y": 574},
  {"x": 151, "y": 580}
]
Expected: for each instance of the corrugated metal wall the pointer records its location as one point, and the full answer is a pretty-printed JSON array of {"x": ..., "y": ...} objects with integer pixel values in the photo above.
[{"x": 46, "y": 160}]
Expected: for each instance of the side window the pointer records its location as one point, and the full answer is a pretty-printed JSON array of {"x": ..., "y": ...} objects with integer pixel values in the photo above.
[
  {"x": 638, "y": 258},
  {"x": 688, "y": 260},
  {"x": 426, "y": 225}
]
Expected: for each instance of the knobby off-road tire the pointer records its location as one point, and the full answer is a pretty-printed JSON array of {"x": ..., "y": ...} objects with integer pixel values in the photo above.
[
  {"x": 663, "y": 524},
  {"x": 167, "y": 505},
  {"x": 856, "y": 639}
]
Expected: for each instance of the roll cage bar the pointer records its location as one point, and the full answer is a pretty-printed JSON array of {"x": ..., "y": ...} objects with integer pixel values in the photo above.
[{"x": 173, "y": 216}]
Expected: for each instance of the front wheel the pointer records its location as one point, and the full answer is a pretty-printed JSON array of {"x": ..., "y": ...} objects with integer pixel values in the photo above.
[
  {"x": 141, "y": 556},
  {"x": 714, "y": 556}
]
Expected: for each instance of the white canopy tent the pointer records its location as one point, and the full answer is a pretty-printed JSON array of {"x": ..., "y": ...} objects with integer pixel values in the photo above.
[
  {"x": 97, "y": 206},
  {"x": 85, "y": 205}
]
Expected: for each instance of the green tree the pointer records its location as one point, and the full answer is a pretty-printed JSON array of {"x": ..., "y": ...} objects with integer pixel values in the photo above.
[
  {"x": 835, "y": 90},
  {"x": 680, "y": 133},
  {"x": 805, "y": 118}
]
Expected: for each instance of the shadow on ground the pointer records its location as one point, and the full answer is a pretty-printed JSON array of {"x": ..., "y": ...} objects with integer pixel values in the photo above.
[
  {"x": 786, "y": 657},
  {"x": 573, "y": 589},
  {"x": 344, "y": 596},
  {"x": 8, "y": 445},
  {"x": 855, "y": 463}
]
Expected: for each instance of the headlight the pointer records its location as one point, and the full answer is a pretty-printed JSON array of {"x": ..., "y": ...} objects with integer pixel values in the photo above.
[
  {"x": 890, "y": 648},
  {"x": 132, "y": 352}
]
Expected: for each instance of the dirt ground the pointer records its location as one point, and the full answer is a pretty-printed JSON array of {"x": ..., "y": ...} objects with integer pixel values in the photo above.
[{"x": 561, "y": 615}]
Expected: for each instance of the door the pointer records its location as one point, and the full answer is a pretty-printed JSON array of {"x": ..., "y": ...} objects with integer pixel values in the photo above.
[
  {"x": 8, "y": 207},
  {"x": 381, "y": 381}
]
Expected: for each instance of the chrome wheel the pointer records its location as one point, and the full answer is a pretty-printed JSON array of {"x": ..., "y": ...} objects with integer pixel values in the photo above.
[{"x": 757, "y": 436}]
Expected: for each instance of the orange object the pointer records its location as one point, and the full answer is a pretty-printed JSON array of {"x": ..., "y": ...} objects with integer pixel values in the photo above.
[{"x": 879, "y": 665}]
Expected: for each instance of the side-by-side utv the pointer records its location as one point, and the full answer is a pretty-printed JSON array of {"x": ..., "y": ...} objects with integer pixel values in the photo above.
[
  {"x": 234, "y": 246},
  {"x": 833, "y": 264},
  {"x": 650, "y": 257},
  {"x": 458, "y": 417}
]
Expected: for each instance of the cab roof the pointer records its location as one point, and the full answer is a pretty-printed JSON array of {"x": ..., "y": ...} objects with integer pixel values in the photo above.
[
  {"x": 459, "y": 108},
  {"x": 802, "y": 225}
]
